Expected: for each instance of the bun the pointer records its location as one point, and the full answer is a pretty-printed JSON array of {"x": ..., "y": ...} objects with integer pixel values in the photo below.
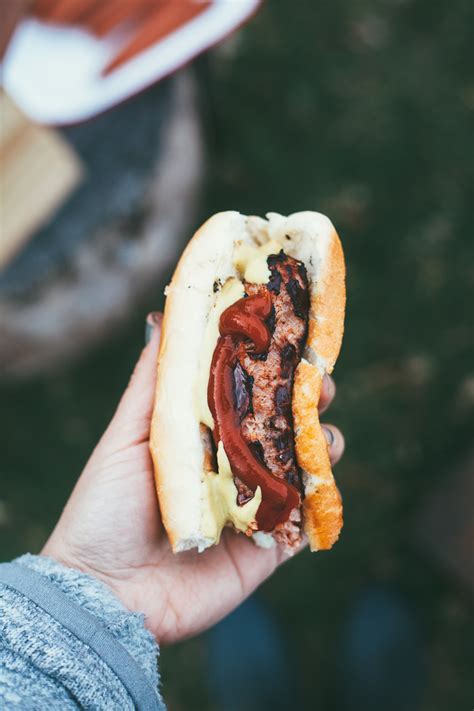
[{"x": 176, "y": 441}]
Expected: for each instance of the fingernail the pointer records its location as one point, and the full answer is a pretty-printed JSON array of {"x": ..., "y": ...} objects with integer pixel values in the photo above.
[
  {"x": 329, "y": 434},
  {"x": 329, "y": 385},
  {"x": 152, "y": 321}
]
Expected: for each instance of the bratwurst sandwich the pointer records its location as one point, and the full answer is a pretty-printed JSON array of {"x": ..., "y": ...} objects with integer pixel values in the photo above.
[{"x": 253, "y": 320}]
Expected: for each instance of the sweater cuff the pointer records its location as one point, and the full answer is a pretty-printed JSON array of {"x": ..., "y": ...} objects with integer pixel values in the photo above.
[{"x": 97, "y": 617}]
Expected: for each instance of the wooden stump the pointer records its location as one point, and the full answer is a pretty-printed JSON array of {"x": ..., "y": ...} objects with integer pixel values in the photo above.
[{"x": 117, "y": 236}]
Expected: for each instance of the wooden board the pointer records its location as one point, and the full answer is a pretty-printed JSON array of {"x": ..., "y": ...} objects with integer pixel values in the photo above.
[{"x": 38, "y": 170}]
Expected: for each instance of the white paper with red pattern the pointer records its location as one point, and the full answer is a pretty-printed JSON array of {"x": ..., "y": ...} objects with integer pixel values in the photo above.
[{"x": 54, "y": 73}]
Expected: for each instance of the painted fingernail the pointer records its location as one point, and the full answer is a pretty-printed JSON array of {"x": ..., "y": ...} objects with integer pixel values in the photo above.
[
  {"x": 152, "y": 321},
  {"x": 329, "y": 385},
  {"x": 329, "y": 434}
]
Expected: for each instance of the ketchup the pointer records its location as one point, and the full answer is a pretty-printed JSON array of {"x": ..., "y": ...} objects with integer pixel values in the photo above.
[{"x": 244, "y": 321}]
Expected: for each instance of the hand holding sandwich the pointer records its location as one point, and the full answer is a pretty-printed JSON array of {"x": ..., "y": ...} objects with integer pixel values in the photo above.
[{"x": 111, "y": 527}]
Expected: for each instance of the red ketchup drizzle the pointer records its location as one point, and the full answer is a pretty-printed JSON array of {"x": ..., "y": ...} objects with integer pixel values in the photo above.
[{"x": 245, "y": 321}]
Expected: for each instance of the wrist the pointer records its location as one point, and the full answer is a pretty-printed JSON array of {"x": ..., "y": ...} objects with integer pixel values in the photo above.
[{"x": 61, "y": 554}]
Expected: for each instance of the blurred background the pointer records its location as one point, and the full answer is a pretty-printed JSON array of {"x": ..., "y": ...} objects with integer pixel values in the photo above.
[{"x": 363, "y": 111}]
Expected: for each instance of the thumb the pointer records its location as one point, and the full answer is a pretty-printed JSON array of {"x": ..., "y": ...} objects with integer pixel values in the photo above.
[{"x": 131, "y": 423}]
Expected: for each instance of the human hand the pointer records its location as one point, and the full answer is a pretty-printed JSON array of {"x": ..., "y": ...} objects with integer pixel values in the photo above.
[{"x": 111, "y": 526}]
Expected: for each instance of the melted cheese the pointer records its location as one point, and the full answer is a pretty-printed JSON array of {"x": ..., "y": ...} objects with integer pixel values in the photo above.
[
  {"x": 252, "y": 261},
  {"x": 220, "y": 501}
]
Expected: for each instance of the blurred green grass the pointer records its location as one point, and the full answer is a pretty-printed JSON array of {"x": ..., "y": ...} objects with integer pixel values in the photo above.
[{"x": 364, "y": 111}]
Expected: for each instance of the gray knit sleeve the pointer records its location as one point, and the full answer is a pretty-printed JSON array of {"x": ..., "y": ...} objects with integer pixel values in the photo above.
[{"x": 66, "y": 642}]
